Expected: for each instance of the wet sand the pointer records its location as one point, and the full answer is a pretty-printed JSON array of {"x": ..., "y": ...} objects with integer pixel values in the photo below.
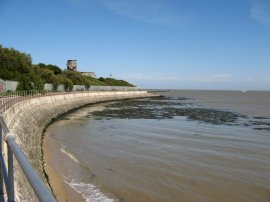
[{"x": 61, "y": 190}]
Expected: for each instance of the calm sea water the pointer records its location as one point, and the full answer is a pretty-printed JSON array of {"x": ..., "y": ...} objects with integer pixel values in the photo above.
[{"x": 212, "y": 146}]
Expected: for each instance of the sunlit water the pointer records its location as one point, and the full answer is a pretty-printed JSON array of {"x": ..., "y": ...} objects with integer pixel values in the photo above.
[{"x": 137, "y": 156}]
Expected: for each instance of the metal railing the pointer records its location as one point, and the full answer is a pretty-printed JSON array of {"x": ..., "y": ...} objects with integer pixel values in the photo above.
[
  {"x": 7, "y": 100},
  {"x": 7, "y": 173},
  {"x": 10, "y": 98}
]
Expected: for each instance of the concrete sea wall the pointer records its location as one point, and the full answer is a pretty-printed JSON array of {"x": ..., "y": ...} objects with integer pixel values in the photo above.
[{"x": 28, "y": 119}]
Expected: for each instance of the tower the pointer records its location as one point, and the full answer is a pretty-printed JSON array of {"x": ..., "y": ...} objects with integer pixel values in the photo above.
[{"x": 72, "y": 65}]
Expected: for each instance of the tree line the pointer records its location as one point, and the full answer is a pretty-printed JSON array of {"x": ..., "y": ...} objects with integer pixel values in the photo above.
[{"x": 17, "y": 66}]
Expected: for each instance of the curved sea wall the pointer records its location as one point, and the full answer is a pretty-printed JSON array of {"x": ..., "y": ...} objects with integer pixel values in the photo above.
[{"x": 28, "y": 119}]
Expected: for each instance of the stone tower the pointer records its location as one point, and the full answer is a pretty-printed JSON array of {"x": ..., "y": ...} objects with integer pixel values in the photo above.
[{"x": 72, "y": 65}]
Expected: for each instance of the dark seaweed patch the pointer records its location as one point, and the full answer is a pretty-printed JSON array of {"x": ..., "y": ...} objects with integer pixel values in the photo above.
[
  {"x": 267, "y": 129},
  {"x": 260, "y": 117},
  {"x": 165, "y": 108},
  {"x": 259, "y": 123},
  {"x": 212, "y": 116},
  {"x": 156, "y": 102}
]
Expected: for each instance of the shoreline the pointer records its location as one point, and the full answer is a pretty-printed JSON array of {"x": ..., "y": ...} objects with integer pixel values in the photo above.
[
  {"x": 61, "y": 190},
  {"x": 37, "y": 114}
]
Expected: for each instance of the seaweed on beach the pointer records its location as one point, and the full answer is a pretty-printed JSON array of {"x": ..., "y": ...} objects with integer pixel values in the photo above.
[
  {"x": 260, "y": 117},
  {"x": 132, "y": 113},
  {"x": 212, "y": 116},
  {"x": 259, "y": 125},
  {"x": 267, "y": 129},
  {"x": 150, "y": 102},
  {"x": 165, "y": 108}
]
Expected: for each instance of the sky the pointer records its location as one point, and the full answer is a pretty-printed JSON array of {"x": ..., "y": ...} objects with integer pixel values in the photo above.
[{"x": 161, "y": 44}]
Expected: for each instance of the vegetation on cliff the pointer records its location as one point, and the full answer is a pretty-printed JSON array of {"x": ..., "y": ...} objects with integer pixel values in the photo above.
[{"x": 17, "y": 66}]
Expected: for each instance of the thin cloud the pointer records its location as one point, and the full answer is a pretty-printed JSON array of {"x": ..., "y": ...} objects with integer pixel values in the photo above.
[
  {"x": 158, "y": 12},
  {"x": 260, "y": 11},
  {"x": 215, "y": 78}
]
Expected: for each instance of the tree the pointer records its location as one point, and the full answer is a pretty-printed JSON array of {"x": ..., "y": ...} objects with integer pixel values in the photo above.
[
  {"x": 14, "y": 63},
  {"x": 56, "y": 70},
  {"x": 6, "y": 75},
  {"x": 56, "y": 81},
  {"x": 76, "y": 77},
  {"x": 38, "y": 82},
  {"x": 87, "y": 84},
  {"x": 68, "y": 85},
  {"x": 25, "y": 84},
  {"x": 101, "y": 79},
  {"x": 46, "y": 75}
]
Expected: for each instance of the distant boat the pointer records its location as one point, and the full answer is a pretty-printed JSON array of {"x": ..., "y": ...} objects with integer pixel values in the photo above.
[{"x": 243, "y": 91}]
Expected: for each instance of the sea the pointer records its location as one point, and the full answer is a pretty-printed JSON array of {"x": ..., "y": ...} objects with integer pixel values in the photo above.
[{"x": 188, "y": 145}]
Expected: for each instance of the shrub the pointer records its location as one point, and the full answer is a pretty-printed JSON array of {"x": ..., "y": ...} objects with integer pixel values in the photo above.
[
  {"x": 25, "y": 84},
  {"x": 68, "y": 85}
]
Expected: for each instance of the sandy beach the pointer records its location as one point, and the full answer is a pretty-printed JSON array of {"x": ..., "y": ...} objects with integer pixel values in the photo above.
[{"x": 53, "y": 157}]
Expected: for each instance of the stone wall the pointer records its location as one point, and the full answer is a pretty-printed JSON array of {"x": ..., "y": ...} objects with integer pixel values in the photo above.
[
  {"x": 2, "y": 86},
  {"x": 112, "y": 88},
  {"x": 12, "y": 86},
  {"x": 28, "y": 119}
]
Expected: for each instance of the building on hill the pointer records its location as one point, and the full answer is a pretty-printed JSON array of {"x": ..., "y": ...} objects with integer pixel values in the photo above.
[
  {"x": 72, "y": 66},
  {"x": 92, "y": 74}
]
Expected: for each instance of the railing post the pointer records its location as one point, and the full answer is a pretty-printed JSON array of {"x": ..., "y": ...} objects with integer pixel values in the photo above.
[
  {"x": 1, "y": 172},
  {"x": 10, "y": 176}
]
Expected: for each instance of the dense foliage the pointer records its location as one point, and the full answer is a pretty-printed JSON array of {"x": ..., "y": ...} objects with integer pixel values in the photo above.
[
  {"x": 17, "y": 66},
  {"x": 114, "y": 82},
  {"x": 13, "y": 63}
]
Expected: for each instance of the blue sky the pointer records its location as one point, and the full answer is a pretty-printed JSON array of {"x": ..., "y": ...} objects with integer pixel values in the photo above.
[{"x": 182, "y": 44}]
